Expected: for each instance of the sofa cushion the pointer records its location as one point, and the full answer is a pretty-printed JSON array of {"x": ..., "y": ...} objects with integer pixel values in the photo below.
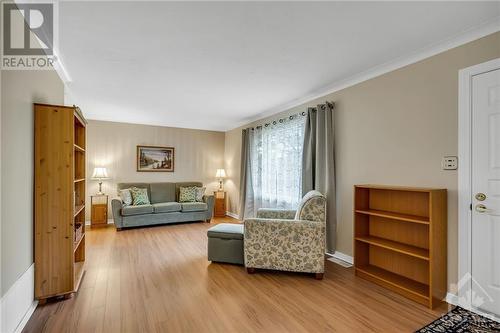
[
  {"x": 187, "y": 194},
  {"x": 200, "y": 193},
  {"x": 126, "y": 196},
  {"x": 121, "y": 186},
  {"x": 162, "y": 192},
  {"x": 137, "y": 210},
  {"x": 139, "y": 196},
  {"x": 166, "y": 207},
  {"x": 194, "y": 206},
  {"x": 184, "y": 184}
]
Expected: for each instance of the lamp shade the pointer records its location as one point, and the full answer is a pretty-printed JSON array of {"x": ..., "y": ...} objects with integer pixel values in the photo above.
[
  {"x": 100, "y": 173},
  {"x": 221, "y": 173}
]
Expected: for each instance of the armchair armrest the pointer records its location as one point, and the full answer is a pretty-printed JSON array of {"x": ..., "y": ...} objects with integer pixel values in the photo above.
[
  {"x": 276, "y": 227},
  {"x": 289, "y": 245},
  {"x": 210, "y": 201},
  {"x": 116, "y": 207},
  {"x": 271, "y": 213}
]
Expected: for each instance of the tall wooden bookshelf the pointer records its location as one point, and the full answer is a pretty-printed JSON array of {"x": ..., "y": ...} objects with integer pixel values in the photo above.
[
  {"x": 59, "y": 219},
  {"x": 400, "y": 240}
]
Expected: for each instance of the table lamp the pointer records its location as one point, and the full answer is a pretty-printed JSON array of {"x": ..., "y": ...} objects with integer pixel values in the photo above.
[
  {"x": 100, "y": 174},
  {"x": 221, "y": 173}
]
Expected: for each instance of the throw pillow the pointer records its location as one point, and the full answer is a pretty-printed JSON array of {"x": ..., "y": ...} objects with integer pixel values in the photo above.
[
  {"x": 187, "y": 194},
  {"x": 126, "y": 196},
  {"x": 139, "y": 196},
  {"x": 200, "y": 192}
]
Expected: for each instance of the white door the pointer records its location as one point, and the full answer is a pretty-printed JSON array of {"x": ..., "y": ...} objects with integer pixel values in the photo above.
[{"x": 486, "y": 191}]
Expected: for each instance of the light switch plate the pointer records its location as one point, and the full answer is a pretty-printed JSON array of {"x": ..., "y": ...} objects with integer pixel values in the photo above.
[{"x": 449, "y": 163}]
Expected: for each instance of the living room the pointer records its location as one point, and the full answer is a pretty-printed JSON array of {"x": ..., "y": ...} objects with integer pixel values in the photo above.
[{"x": 250, "y": 166}]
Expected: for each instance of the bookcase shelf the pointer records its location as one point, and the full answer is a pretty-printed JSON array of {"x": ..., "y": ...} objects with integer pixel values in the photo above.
[
  {"x": 401, "y": 284},
  {"x": 59, "y": 200},
  {"x": 78, "y": 148},
  {"x": 400, "y": 240},
  {"x": 79, "y": 209},
  {"x": 394, "y": 216},
  {"x": 78, "y": 242},
  {"x": 396, "y": 246}
]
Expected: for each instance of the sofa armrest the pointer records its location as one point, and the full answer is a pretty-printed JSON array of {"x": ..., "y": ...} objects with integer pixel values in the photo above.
[
  {"x": 271, "y": 213},
  {"x": 210, "y": 201},
  {"x": 116, "y": 207},
  {"x": 289, "y": 245}
]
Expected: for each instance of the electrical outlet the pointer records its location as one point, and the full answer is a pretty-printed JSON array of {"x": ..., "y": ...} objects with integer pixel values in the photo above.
[{"x": 449, "y": 163}]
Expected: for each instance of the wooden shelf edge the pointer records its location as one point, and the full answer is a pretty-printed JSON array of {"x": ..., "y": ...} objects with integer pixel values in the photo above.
[
  {"x": 77, "y": 244},
  {"x": 78, "y": 148},
  {"x": 399, "y": 188},
  {"x": 395, "y": 246},
  {"x": 394, "y": 216},
  {"x": 398, "y": 281},
  {"x": 79, "y": 180},
  {"x": 78, "y": 271},
  {"x": 78, "y": 209},
  {"x": 79, "y": 116}
]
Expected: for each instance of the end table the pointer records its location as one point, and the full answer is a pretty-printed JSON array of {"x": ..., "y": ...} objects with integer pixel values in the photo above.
[
  {"x": 99, "y": 210},
  {"x": 220, "y": 204}
]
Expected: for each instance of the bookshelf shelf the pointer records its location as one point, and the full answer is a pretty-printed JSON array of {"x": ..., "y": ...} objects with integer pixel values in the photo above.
[
  {"x": 395, "y": 216},
  {"x": 79, "y": 149},
  {"x": 396, "y": 246}
]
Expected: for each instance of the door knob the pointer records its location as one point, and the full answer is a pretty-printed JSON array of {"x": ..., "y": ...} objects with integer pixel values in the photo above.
[
  {"x": 480, "y": 196},
  {"x": 480, "y": 208}
]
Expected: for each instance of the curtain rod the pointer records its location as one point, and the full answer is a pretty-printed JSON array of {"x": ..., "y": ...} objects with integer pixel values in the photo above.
[{"x": 280, "y": 120}]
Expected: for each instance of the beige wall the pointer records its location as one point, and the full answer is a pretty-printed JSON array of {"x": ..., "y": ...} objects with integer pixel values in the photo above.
[
  {"x": 1, "y": 185},
  {"x": 19, "y": 90},
  {"x": 393, "y": 129},
  {"x": 198, "y": 154}
]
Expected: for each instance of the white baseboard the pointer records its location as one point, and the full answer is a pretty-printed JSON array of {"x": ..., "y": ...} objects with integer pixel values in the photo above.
[
  {"x": 18, "y": 304},
  {"x": 342, "y": 256},
  {"x": 451, "y": 299},
  {"x": 454, "y": 300},
  {"x": 233, "y": 215},
  {"x": 26, "y": 317}
]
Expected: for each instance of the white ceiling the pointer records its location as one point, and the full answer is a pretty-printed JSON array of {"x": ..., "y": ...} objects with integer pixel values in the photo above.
[{"x": 218, "y": 65}]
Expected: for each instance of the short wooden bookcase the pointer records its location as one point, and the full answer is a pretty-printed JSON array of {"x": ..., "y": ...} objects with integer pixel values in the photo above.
[{"x": 400, "y": 236}]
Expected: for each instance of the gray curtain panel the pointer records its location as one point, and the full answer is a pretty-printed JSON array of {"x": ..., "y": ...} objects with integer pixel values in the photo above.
[
  {"x": 318, "y": 163},
  {"x": 245, "y": 172}
]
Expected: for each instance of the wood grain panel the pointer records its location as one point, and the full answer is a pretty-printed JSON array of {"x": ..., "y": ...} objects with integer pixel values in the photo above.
[
  {"x": 53, "y": 222},
  {"x": 407, "y": 266},
  {"x": 405, "y": 202},
  {"x": 99, "y": 214},
  {"x": 439, "y": 245},
  {"x": 409, "y": 233}
]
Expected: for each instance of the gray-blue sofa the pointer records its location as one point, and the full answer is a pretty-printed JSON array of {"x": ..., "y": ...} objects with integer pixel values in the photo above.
[{"x": 164, "y": 207}]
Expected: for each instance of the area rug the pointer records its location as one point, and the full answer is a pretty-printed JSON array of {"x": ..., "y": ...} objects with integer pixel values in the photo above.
[{"x": 460, "y": 320}]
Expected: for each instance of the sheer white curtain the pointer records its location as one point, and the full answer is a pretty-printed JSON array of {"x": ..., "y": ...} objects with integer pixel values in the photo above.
[{"x": 274, "y": 179}]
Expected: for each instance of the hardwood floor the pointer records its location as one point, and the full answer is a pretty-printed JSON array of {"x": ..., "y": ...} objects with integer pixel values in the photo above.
[{"x": 158, "y": 279}]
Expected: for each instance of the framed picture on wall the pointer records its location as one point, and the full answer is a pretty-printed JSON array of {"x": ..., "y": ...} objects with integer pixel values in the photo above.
[{"x": 155, "y": 159}]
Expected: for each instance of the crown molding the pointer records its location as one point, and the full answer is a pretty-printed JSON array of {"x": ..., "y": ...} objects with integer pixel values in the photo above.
[{"x": 484, "y": 29}]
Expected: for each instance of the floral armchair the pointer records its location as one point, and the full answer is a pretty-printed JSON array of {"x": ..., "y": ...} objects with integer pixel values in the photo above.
[{"x": 288, "y": 240}]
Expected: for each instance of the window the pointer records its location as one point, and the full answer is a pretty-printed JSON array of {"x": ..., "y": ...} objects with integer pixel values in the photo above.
[{"x": 276, "y": 165}]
